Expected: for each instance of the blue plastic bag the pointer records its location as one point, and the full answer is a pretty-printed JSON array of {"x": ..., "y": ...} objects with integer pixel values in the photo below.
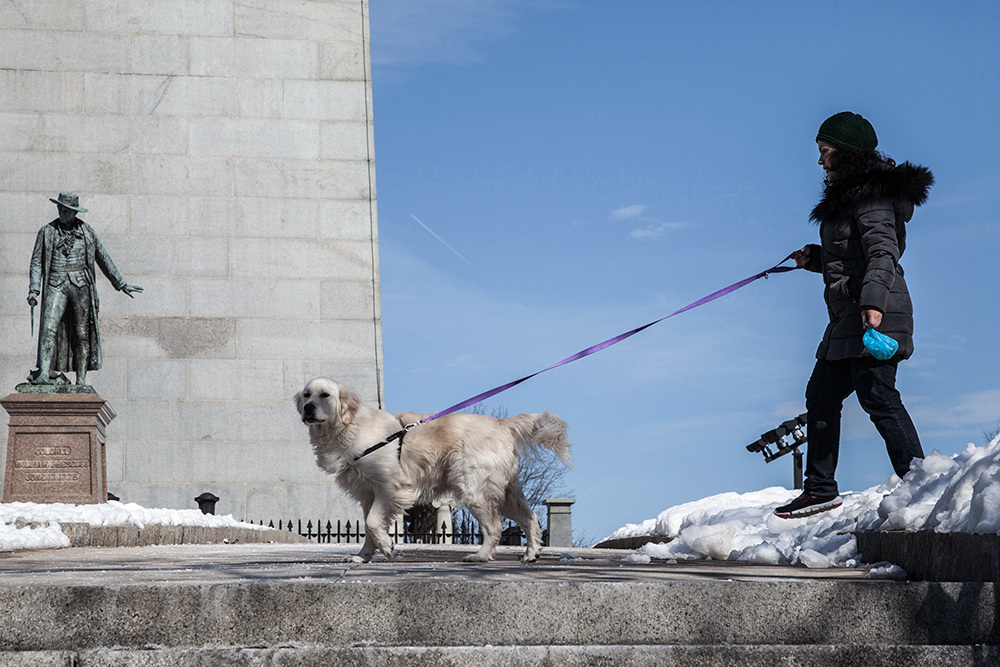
[{"x": 881, "y": 346}]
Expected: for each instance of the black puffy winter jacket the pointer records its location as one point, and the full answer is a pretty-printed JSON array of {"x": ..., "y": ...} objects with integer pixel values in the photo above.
[{"x": 862, "y": 226}]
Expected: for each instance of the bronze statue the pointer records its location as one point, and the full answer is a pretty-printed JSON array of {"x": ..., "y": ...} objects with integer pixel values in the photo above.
[{"x": 62, "y": 272}]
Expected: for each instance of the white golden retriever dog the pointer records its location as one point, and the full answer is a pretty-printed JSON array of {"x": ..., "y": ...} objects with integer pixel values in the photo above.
[{"x": 473, "y": 458}]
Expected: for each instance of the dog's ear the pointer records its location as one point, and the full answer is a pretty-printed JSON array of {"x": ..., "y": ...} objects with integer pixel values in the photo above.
[
  {"x": 349, "y": 405},
  {"x": 297, "y": 400}
]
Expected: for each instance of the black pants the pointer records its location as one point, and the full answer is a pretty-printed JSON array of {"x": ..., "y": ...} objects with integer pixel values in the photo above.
[{"x": 875, "y": 384}]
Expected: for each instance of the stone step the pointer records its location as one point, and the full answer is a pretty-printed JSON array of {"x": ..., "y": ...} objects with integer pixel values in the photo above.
[
  {"x": 188, "y": 599},
  {"x": 500, "y": 614},
  {"x": 517, "y": 656}
]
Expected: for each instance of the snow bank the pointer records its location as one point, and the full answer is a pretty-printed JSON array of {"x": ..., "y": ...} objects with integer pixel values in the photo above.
[
  {"x": 744, "y": 528},
  {"x": 46, "y": 536},
  {"x": 960, "y": 493},
  {"x": 37, "y": 526}
]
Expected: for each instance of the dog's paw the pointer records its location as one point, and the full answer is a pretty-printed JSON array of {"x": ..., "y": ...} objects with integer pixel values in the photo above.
[
  {"x": 477, "y": 558},
  {"x": 356, "y": 559}
]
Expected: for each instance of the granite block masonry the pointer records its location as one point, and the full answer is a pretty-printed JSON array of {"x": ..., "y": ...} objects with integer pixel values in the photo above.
[{"x": 226, "y": 152}]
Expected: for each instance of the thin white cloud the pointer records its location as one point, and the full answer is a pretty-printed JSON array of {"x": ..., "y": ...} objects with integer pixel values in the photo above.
[
  {"x": 626, "y": 212},
  {"x": 653, "y": 230},
  {"x": 968, "y": 410},
  {"x": 656, "y": 231},
  {"x": 408, "y": 33},
  {"x": 466, "y": 361},
  {"x": 788, "y": 410},
  {"x": 967, "y": 415}
]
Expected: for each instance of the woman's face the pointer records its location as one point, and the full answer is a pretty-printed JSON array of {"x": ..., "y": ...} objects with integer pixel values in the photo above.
[{"x": 826, "y": 152}]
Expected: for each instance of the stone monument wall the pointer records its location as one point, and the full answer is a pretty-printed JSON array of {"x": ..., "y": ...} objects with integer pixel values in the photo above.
[{"x": 224, "y": 151}]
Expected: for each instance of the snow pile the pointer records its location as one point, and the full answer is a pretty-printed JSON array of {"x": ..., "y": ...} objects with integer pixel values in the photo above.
[
  {"x": 743, "y": 527},
  {"x": 959, "y": 494},
  {"x": 37, "y": 526},
  {"x": 45, "y": 536},
  {"x": 941, "y": 493}
]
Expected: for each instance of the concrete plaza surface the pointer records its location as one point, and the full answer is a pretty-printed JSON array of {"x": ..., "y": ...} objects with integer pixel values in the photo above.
[{"x": 255, "y": 604}]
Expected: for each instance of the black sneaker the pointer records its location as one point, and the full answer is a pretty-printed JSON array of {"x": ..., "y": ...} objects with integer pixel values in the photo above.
[{"x": 807, "y": 505}]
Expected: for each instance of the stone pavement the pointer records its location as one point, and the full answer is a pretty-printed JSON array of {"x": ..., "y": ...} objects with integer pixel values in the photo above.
[
  {"x": 255, "y": 604},
  {"x": 322, "y": 563}
]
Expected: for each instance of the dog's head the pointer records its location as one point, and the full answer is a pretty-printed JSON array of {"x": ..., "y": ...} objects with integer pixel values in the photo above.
[{"x": 323, "y": 401}]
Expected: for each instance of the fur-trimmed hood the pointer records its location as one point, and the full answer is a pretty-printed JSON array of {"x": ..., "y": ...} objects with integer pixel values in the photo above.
[{"x": 907, "y": 182}]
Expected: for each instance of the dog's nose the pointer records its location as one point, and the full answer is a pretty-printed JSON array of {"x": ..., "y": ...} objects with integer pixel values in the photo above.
[{"x": 308, "y": 409}]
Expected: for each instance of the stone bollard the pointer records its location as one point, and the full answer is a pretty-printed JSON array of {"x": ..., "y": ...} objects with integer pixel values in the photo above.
[
  {"x": 560, "y": 523},
  {"x": 442, "y": 524}
]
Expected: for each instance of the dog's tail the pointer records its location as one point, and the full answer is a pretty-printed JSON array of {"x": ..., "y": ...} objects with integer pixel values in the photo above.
[{"x": 545, "y": 429}]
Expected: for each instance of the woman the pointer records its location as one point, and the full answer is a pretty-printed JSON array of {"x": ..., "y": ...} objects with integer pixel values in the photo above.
[{"x": 867, "y": 201}]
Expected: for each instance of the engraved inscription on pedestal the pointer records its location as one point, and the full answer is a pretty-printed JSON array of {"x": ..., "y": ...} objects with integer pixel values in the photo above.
[
  {"x": 62, "y": 459},
  {"x": 55, "y": 448}
]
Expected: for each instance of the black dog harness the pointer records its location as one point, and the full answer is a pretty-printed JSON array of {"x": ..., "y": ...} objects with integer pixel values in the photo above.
[{"x": 398, "y": 435}]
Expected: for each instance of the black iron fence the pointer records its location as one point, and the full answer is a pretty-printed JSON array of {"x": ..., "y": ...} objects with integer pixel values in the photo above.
[{"x": 349, "y": 532}]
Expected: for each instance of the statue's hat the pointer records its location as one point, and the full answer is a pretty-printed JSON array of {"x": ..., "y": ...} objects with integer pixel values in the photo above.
[{"x": 69, "y": 201}]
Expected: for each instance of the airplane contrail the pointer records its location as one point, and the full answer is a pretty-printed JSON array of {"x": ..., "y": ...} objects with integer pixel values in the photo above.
[{"x": 443, "y": 242}]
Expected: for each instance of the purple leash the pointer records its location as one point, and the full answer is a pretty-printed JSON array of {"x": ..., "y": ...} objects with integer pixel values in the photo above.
[
  {"x": 777, "y": 268},
  {"x": 399, "y": 435}
]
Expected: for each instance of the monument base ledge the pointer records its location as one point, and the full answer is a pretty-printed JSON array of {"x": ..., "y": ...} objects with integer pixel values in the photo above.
[
  {"x": 55, "y": 447},
  {"x": 927, "y": 555}
]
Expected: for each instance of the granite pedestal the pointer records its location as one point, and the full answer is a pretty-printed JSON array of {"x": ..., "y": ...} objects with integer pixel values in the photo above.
[{"x": 55, "y": 448}]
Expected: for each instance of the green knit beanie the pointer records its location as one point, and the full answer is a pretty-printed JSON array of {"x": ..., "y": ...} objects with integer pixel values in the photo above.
[{"x": 848, "y": 131}]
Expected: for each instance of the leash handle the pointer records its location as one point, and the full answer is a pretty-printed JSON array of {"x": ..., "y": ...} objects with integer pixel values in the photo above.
[{"x": 777, "y": 268}]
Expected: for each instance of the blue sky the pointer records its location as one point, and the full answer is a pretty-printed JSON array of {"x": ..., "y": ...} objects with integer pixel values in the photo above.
[{"x": 553, "y": 173}]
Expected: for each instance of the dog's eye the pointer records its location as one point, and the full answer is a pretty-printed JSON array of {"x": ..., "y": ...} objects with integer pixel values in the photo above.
[
  {"x": 324, "y": 395},
  {"x": 305, "y": 394}
]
